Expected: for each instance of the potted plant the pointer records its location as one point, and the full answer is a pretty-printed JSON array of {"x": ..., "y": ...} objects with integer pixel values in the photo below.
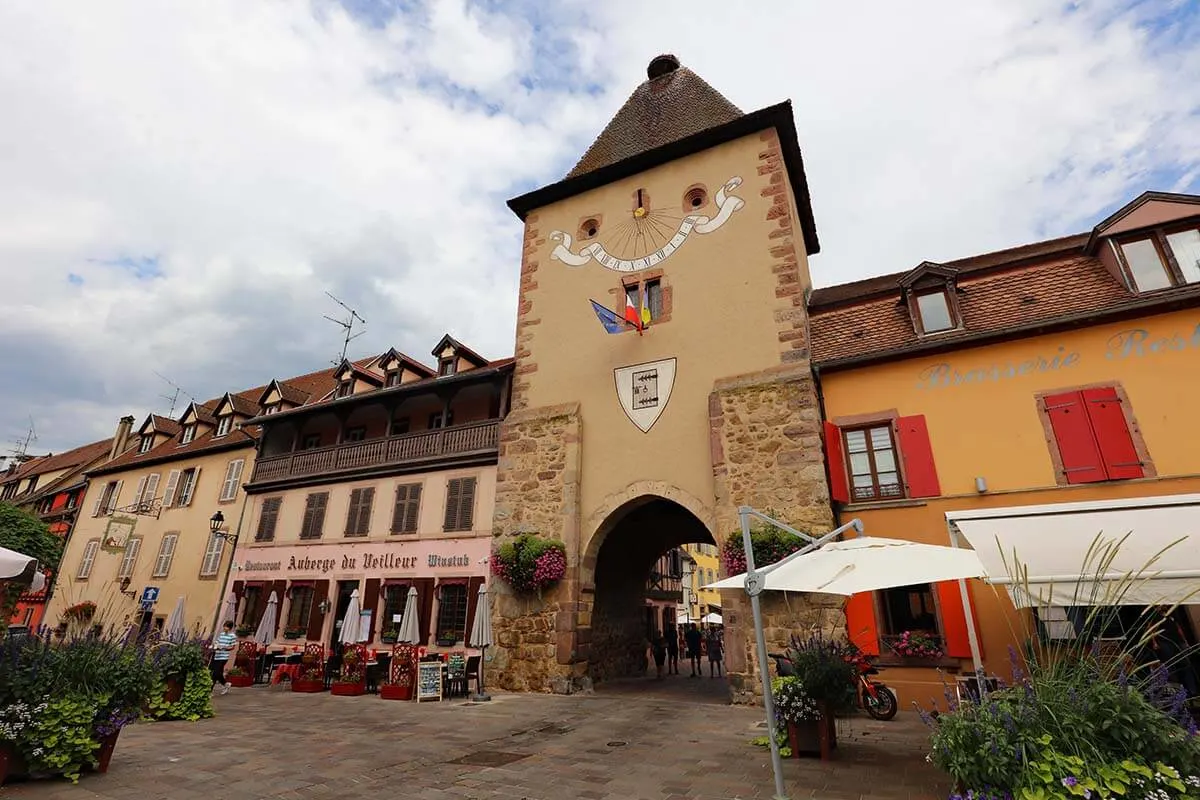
[
  {"x": 917, "y": 646},
  {"x": 530, "y": 563},
  {"x": 239, "y": 676},
  {"x": 312, "y": 671},
  {"x": 826, "y": 670},
  {"x": 183, "y": 689},
  {"x": 294, "y": 632},
  {"x": 243, "y": 631},
  {"x": 401, "y": 674},
  {"x": 390, "y": 636},
  {"x": 80, "y": 612},
  {"x": 352, "y": 678},
  {"x": 798, "y": 712},
  {"x": 447, "y": 639}
]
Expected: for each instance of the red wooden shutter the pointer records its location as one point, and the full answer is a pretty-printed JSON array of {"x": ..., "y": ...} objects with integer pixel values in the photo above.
[
  {"x": 839, "y": 484},
  {"x": 954, "y": 620},
  {"x": 371, "y": 603},
  {"x": 860, "y": 622},
  {"x": 279, "y": 588},
  {"x": 425, "y": 599},
  {"x": 1077, "y": 448},
  {"x": 920, "y": 472},
  {"x": 316, "y": 620},
  {"x": 472, "y": 600},
  {"x": 1119, "y": 456},
  {"x": 237, "y": 590}
]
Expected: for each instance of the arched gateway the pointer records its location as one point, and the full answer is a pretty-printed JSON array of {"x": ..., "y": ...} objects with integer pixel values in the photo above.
[{"x": 662, "y": 375}]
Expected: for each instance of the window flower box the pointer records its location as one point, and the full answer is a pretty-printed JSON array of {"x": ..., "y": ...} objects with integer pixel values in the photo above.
[
  {"x": 294, "y": 633},
  {"x": 239, "y": 677},
  {"x": 308, "y": 685}
]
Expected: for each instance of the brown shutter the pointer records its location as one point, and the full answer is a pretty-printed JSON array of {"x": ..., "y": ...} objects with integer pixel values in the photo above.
[
  {"x": 353, "y": 513},
  {"x": 413, "y": 508},
  {"x": 237, "y": 590},
  {"x": 398, "y": 507},
  {"x": 366, "y": 499},
  {"x": 453, "y": 495},
  {"x": 425, "y": 598},
  {"x": 466, "y": 505},
  {"x": 472, "y": 601},
  {"x": 278, "y": 587},
  {"x": 267, "y": 519},
  {"x": 314, "y": 515},
  {"x": 316, "y": 620},
  {"x": 371, "y": 603}
]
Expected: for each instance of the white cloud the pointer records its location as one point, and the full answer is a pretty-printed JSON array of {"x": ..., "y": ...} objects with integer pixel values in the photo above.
[{"x": 264, "y": 153}]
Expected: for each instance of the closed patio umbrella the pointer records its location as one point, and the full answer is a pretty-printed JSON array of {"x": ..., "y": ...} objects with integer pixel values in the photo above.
[
  {"x": 229, "y": 614},
  {"x": 174, "y": 630},
  {"x": 266, "y": 626},
  {"x": 410, "y": 630},
  {"x": 481, "y": 634},
  {"x": 350, "y": 622},
  {"x": 16, "y": 566}
]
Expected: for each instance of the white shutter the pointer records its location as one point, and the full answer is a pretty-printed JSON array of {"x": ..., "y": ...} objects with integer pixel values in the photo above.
[
  {"x": 137, "y": 493},
  {"x": 166, "y": 552},
  {"x": 151, "y": 487},
  {"x": 99, "y": 498},
  {"x": 187, "y": 489},
  {"x": 131, "y": 553},
  {"x": 172, "y": 485},
  {"x": 112, "y": 499},
  {"x": 212, "y": 556},
  {"x": 233, "y": 475},
  {"x": 89, "y": 558}
]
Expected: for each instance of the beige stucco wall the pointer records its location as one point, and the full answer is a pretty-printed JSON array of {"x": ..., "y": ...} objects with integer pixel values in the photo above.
[
  {"x": 190, "y": 522},
  {"x": 723, "y": 293}
]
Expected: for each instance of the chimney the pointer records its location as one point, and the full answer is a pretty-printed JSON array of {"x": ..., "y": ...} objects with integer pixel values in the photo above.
[{"x": 124, "y": 427}]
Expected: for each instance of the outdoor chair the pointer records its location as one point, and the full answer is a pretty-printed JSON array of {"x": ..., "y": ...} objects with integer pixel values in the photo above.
[{"x": 473, "y": 666}]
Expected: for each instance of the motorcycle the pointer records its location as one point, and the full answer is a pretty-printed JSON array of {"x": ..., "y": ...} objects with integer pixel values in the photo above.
[{"x": 873, "y": 696}]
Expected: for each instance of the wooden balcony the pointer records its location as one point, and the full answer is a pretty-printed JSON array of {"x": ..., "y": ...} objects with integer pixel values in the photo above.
[{"x": 458, "y": 443}]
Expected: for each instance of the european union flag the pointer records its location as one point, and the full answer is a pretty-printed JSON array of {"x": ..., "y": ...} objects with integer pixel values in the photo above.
[{"x": 609, "y": 319}]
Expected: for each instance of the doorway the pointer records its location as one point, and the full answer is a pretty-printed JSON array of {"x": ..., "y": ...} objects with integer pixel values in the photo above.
[{"x": 344, "y": 590}]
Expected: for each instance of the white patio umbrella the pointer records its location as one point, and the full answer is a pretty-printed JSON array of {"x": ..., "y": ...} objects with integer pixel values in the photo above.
[
  {"x": 174, "y": 629},
  {"x": 682, "y": 618},
  {"x": 16, "y": 566},
  {"x": 350, "y": 622},
  {"x": 712, "y": 618},
  {"x": 481, "y": 634},
  {"x": 229, "y": 613},
  {"x": 266, "y": 626},
  {"x": 864, "y": 564},
  {"x": 38, "y": 583},
  {"x": 410, "y": 630}
]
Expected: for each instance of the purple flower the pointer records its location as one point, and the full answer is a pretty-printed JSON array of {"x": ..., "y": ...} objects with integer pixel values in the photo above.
[{"x": 1070, "y": 781}]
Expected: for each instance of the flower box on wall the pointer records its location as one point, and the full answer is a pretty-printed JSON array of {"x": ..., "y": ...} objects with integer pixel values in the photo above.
[{"x": 447, "y": 642}]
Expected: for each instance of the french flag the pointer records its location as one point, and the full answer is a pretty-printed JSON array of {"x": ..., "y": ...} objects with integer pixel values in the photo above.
[{"x": 631, "y": 313}]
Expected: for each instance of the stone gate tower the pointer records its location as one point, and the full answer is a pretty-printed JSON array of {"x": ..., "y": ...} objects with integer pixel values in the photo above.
[{"x": 624, "y": 442}]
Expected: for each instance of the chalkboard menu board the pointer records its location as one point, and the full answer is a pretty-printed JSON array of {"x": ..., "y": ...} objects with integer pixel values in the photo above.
[{"x": 429, "y": 680}]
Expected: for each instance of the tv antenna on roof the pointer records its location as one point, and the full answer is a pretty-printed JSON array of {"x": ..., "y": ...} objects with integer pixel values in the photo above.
[
  {"x": 20, "y": 453},
  {"x": 347, "y": 324},
  {"x": 174, "y": 396}
]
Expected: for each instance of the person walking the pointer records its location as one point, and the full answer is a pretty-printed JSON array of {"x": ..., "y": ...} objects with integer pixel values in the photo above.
[
  {"x": 692, "y": 639},
  {"x": 222, "y": 649},
  {"x": 659, "y": 651},
  {"x": 672, "y": 651},
  {"x": 715, "y": 654}
]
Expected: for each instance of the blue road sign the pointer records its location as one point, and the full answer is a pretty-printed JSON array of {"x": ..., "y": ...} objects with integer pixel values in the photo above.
[{"x": 149, "y": 595}]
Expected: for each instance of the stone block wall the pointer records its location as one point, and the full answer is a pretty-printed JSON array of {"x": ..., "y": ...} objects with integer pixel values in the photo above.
[
  {"x": 537, "y": 491},
  {"x": 765, "y": 437}
]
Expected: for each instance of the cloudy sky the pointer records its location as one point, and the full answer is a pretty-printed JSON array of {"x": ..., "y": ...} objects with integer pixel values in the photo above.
[{"x": 181, "y": 182}]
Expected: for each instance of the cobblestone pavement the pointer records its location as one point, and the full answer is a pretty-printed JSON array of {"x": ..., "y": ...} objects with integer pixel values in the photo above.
[{"x": 650, "y": 740}]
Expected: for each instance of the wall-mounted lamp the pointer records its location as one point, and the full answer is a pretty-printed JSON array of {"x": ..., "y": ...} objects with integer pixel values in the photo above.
[
  {"x": 981, "y": 485},
  {"x": 324, "y": 606}
]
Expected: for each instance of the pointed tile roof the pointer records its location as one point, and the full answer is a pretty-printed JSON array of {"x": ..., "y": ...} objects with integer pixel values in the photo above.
[{"x": 672, "y": 104}]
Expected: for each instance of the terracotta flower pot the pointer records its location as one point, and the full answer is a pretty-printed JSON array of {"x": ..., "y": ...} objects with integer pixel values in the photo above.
[
  {"x": 308, "y": 686},
  {"x": 241, "y": 681},
  {"x": 390, "y": 691},
  {"x": 104, "y": 755},
  {"x": 174, "y": 689},
  {"x": 11, "y": 763},
  {"x": 348, "y": 689},
  {"x": 804, "y": 738}
]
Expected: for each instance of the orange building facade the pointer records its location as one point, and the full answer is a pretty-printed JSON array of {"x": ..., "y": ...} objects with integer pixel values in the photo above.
[{"x": 1060, "y": 372}]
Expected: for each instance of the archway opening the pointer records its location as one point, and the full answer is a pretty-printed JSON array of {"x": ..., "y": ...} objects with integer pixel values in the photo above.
[{"x": 642, "y": 579}]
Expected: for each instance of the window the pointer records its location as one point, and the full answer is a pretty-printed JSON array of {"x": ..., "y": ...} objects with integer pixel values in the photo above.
[
  {"x": 1055, "y": 623},
  {"x": 391, "y": 378},
  {"x": 267, "y": 519},
  {"x": 314, "y": 515},
  {"x": 395, "y": 596},
  {"x": 300, "y": 607},
  {"x": 1163, "y": 259},
  {"x": 233, "y": 477},
  {"x": 129, "y": 559},
  {"x": 172, "y": 487},
  {"x": 648, "y": 293},
  {"x": 106, "y": 503},
  {"x": 166, "y": 553},
  {"x": 189, "y": 433},
  {"x": 252, "y": 605},
  {"x": 460, "y": 504},
  {"x": 311, "y": 441},
  {"x": 935, "y": 312},
  {"x": 29, "y": 487},
  {"x": 1092, "y": 436},
  {"x": 452, "y": 612},
  {"x": 343, "y": 388},
  {"x": 881, "y": 460},
  {"x": 212, "y": 556},
  {"x": 874, "y": 474},
  {"x": 273, "y": 408},
  {"x": 187, "y": 485},
  {"x": 146, "y": 443},
  {"x": 909, "y": 608},
  {"x": 224, "y": 425},
  {"x": 89, "y": 558},
  {"x": 406, "y": 511},
  {"x": 399, "y": 426},
  {"x": 445, "y": 366},
  {"x": 438, "y": 420},
  {"x": 147, "y": 489},
  {"x": 358, "y": 520},
  {"x": 356, "y": 434}
]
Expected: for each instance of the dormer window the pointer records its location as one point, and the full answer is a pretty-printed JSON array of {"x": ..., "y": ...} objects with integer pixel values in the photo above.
[
  {"x": 146, "y": 443},
  {"x": 445, "y": 366},
  {"x": 934, "y": 311},
  {"x": 392, "y": 378},
  {"x": 1163, "y": 259},
  {"x": 224, "y": 425},
  {"x": 343, "y": 388},
  {"x": 189, "y": 433},
  {"x": 271, "y": 409}
]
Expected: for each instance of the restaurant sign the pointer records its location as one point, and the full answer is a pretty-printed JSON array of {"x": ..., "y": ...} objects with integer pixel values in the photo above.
[{"x": 386, "y": 561}]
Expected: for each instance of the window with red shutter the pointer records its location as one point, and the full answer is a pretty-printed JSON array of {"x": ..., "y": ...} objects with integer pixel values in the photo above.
[
  {"x": 1092, "y": 436},
  {"x": 954, "y": 619},
  {"x": 920, "y": 473},
  {"x": 839, "y": 488},
  {"x": 861, "y": 627}
]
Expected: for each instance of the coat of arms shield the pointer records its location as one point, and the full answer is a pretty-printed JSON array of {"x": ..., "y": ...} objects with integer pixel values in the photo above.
[{"x": 644, "y": 389}]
